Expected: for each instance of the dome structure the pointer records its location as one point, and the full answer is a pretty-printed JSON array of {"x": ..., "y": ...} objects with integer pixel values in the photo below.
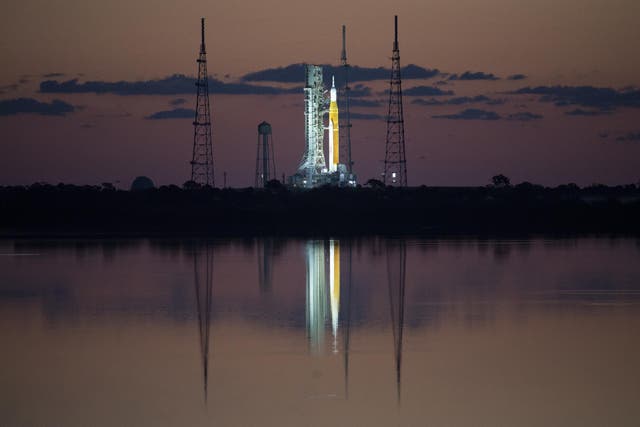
[{"x": 142, "y": 183}]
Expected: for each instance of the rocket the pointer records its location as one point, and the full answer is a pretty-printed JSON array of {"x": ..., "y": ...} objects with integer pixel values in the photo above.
[{"x": 334, "y": 129}]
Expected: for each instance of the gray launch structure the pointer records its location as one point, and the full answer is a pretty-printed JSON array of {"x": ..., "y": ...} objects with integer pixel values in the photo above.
[{"x": 314, "y": 170}]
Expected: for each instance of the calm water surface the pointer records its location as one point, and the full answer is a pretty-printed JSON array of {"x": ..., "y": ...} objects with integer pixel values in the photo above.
[{"x": 269, "y": 332}]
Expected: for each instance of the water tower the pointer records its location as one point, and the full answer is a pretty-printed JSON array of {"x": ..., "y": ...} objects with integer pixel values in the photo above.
[{"x": 265, "y": 160}]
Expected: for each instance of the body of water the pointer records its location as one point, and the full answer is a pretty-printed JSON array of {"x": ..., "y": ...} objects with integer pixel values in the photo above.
[{"x": 366, "y": 332}]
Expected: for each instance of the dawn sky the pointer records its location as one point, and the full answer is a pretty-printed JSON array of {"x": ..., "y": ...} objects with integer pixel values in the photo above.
[{"x": 509, "y": 115}]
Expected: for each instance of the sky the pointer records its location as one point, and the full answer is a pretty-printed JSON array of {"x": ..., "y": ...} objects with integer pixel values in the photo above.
[{"x": 541, "y": 91}]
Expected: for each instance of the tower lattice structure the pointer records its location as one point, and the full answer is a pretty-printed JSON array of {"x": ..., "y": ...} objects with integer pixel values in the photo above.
[
  {"x": 395, "y": 162},
  {"x": 202, "y": 159},
  {"x": 347, "y": 126},
  {"x": 313, "y": 162}
]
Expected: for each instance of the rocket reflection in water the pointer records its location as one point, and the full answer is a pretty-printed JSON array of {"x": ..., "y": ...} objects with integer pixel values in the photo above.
[{"x": 320, "y": 305}]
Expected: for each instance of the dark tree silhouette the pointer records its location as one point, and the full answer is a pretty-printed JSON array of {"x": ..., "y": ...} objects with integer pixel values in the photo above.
[
  {"x": 191, "y": 185},
  {"x": 43, "y": 208},
  {"x": 501, "y": 181},
  {"x": 274, "y": 184},
  {"x": 374, "y": 183}
]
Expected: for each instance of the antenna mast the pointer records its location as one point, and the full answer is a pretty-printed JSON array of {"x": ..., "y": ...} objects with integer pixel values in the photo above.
[
  {"x": 347, "y": 89},
  {"x": 202, "y": 157},
  {"x": 395, "y": 162}
]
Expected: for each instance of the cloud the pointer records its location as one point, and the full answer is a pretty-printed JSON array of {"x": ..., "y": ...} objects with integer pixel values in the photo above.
[
  {"x": 581, "y": 112},
  {"x": 113, "y": 115},
  {"x": 177, "y": 113},
  {"x": 365, "y": 116},
  {"x": 524, "y": 116},
  {"x": 52, "y": 75},
  {"x": 587, "y": 96},
  {"x": 470, "y": 114},
  {"x": 177, "y": 101},
  {"x": 426, "y": 91},
  {"x": 516, "y": 77},
  {"x": 176, "y": 84},
  {"x": 631, "y": 136},
  {"x": 11, "y": 87},
  {"x": 461, "y": 100},
  {"x": 366, "y": 103},
  {"x": 294, "y": 73},
  {"x": 478, "y": 114},
  {"x": 469, "y": 75},
  {"x": 358, "y": 91},
  {"x": 29, "y": 105}
]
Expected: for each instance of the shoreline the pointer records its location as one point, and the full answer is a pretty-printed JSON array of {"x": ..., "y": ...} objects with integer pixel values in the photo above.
[{"x": 522, "y": 210}]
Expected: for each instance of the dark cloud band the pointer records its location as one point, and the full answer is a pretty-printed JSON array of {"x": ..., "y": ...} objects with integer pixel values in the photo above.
[
  {"x": 470, "y": 114},
  {"x": 294, "y": 73},
  {"x": 602, "y": 98},
  {"x": 427, "y": 91},
  {"x": 177, "y": 113},
  {"x": 478, "y": 114},
  {"x": 29, "y": 105},
  {"x": 461, "y": 100},
  {"x": 173, "y": 85},
  {"x": 470, "y": 75}
]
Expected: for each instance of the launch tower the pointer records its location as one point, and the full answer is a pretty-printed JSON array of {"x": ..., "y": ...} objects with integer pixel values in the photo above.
[
  {"x": 314, "y": 170},
  {"x": 313, "y": 163},
  {"x": 202, "y": 157},
  {"x": 395, "y": 162}
]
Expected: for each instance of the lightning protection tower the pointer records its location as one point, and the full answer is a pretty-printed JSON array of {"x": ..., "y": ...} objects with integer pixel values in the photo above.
[
  {"x": 347, "y": 126},
  {"x": 395, "y": 162},
  {"x": 202, "y": 158},
  {"x": 265, "y": 160}
]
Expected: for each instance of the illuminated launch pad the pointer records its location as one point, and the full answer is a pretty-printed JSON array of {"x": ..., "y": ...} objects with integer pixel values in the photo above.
[{"x": 314, "y": 170}]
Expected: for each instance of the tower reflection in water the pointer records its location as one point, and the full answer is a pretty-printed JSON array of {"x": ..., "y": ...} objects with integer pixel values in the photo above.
[
  {"x": 316, "y": 304},
  {"x": 325, "y": 259},
  {"x": 322, "y": 306},
  {"x": 203, "y": 282},
  {"x": 396, "y": 271},
  {"x": 266, "y": 251}
]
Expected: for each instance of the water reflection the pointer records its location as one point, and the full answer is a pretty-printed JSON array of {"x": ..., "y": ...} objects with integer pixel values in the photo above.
[
  {"x": 375, "y": 331},
  {"x": 266, "y": 250},
  {"x": 396, "y": 272},
  {"x": 316, "y": 301},
  {"x": 323, "y": 304},
  {"x": 203, "y": 284},
  {"x": 347, "y": 318},
  {"x": 323, "y": 307}
]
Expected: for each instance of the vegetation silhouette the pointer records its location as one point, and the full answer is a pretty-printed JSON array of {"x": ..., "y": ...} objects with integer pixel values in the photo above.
[
  {"x": 500, "y": 181},
  {"x": 42, "y": 209}
]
